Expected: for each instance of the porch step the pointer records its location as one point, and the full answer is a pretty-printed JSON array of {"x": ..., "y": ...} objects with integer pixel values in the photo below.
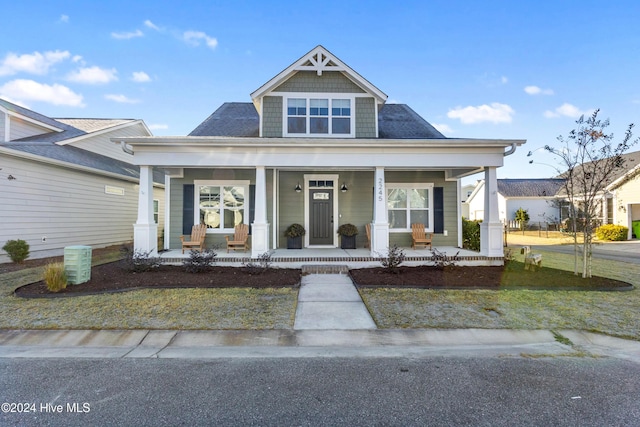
[{"x": 325, "y": 269}]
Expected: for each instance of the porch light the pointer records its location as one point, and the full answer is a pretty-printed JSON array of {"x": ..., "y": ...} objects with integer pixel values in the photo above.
[
  {"x": 298, "y": 188},
  {"x": 344, "y": 188}
]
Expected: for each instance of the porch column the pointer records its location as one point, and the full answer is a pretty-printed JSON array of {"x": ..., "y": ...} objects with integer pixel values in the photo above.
[
  {"x": 260, "y": 227},
  {"x": 491, "y": 227},
  {"x": 380, "y": 225},
  {"x": 145, "y": 230}
]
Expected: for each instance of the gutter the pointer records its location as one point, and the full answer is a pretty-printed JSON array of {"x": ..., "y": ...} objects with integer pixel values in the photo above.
[
  {"x": 511, "y": 150},
  {"x": 125, "y": 148}
]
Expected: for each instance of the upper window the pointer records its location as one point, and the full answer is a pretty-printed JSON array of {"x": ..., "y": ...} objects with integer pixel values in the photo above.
[
  {"x": 221, "y": 206},
  {"x": 409, "y": 204},
  {"x": 319, "y": 117}
]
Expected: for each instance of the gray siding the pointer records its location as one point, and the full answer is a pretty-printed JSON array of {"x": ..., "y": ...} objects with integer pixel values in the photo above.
[
  {"x": 365, "y": 118},
  {"x": 67, "y": 207},
  {"x": 272, "y": 117},
  {"x": 291, "y": 206},
  {"x": 101, "y": 144},
  {"x": 190, "y": 175},
  {"x": 309, "y": 81},
  {"x": 21, "y": 129}
]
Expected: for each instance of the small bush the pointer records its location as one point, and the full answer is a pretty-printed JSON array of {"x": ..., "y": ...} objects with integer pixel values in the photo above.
[
  {"x": 347, "y": 230},
  {"x": 612, "y": 232},
  {"x": 55, "y": 277},
  {"x": 199, "y": 262},
  {"x": 18, "y": 250},
  {"x": 522, "y": 216},
  {"x": 471, "y": 235},
  {"x": 441, "y": 260},
  {"x": 137, "y": 261},
  {"x": 395, "y": 257},
  {"x": 263, "y": 264}
]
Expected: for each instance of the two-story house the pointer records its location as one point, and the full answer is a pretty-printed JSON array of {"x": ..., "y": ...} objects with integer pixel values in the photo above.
[{"x": 318, "y": 146}]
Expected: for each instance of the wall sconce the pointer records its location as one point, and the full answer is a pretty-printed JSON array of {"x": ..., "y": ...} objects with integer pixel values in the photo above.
[
  {"x": 298, "y": 188},
  {"x": 344, "y": 188}
]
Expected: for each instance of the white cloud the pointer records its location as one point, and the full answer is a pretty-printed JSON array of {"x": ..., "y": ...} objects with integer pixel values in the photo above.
[
  {"x": 151, "y": 25},
  {"x": 140, "y": 77},
  {"x": 121, "y": 99},
  {"x": 127, "y": 35},
  {"x": 504, "y": 80},
  {"x": 566, "y": 110},
  {"x": 494, "y": 113},
  {"x": 443, "y": 128},
  {"x": 194, "y": 38},
  {"x": 158, "y": 126},
  {"x": 535, "y": 90},
  {"x": 29, "y": 90},
  {"x": 64, "y": 18},
  {"x": 93, "y": 75},
  {"x": 35, "y": 63}
]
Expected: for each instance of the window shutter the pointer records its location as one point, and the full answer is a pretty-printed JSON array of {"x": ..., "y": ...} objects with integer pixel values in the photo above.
[
  {"x": 438, "y": 210},
  {"x": 187, "y": 208}
]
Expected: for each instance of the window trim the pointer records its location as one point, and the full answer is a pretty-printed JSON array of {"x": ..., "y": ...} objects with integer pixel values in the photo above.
[
  {"x": 429, "y": 186},
  {"x": 231, "y": 183},
  {"x": 308, "y": 96}
]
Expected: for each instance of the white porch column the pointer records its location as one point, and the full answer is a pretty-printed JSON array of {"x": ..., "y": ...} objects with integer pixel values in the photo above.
[
  {"x": 380, "y": 225},
  {"x": 145, "y": 230},
  {"x": 491, "y": 227},
  {"x": 260, "y": 227}
]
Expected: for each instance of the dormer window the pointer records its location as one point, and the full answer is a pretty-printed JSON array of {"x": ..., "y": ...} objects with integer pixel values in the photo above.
[{"x": 319, "y": 117}]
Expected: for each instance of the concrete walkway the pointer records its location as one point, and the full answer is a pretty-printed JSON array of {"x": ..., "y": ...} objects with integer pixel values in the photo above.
[{"x": 330, "y": 301}]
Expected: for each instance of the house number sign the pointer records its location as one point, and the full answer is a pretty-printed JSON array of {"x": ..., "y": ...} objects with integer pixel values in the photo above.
[
  {"x": 380, "y": 189},
  {"x": 320, "y": 196}
]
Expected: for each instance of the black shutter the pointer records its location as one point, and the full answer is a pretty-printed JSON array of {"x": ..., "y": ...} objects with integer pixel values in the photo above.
[
  {"x": 438, "y": 210},
  {"x": 187, "y": 208},
  {"x": 252, "y": 205}
]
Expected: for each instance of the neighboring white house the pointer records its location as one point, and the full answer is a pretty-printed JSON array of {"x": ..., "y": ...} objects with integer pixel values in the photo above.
[
  {"x": 63, "y": 182},
  {"x": 319, "y": 146},
  {"x": 536, "y": 196}
]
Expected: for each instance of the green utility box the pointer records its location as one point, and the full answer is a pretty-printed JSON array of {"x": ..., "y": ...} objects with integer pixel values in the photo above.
[
  {"x": 77, "y": 264},
  {"x": 635, "y": 226}
]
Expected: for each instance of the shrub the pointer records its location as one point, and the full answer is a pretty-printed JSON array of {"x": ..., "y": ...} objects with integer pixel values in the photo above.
[
  {"x": 55, "y": 277},
  {"x": 471, "y": 234},
  {"x": 263, "y": 264},
  {"x": 441, "y": 260},
  {"x": 199, "y": 262},
  {"x": 522, "y": 216},
  {"x": 137, "y": 261},
  {"x": 394, "y": 258},
  {"x": 18, "y": 250},
  {"x": 612, "y": 232},
  {"x": 347, "y": 230},
  {"x": 295, "y": 230}
]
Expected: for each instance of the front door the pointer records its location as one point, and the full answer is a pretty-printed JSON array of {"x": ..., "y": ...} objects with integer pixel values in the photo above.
[{"x": 321, "y": 216}]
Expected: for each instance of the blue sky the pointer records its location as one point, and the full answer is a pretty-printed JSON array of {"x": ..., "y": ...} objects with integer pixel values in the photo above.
[{"x": 474, "y": 69}]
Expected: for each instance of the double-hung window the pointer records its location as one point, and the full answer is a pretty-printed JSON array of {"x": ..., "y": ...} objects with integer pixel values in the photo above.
[
  {"x": 409, "y": 204},
  {"x": 317, "y": 116},
  {"x": 221, "y": 205}
]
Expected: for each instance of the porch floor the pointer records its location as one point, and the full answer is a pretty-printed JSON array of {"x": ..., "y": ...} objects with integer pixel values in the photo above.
[{"x": 353, "y": 258}]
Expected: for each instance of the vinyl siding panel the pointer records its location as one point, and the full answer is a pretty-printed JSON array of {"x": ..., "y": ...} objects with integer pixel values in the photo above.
[
  {"x": 19, "y": 129},
  {"x": 272, "y": 117},
  {"x": 309, "y": 81},
  {"x": 3, "y": 118},
  {"x": 190, "y": 175},
  {"x": 101, "y": 144},
  {"x": 68, "y": 207},
  {"x": 365, "y": 118},
  {"x": 627, "y": 194}
]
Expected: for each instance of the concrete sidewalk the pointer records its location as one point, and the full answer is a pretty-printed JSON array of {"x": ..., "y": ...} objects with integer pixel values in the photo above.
[{"x": 309, "y": 343}]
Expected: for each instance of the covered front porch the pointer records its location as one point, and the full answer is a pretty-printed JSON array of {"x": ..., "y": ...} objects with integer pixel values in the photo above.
[{"x": 352, "y": 258}]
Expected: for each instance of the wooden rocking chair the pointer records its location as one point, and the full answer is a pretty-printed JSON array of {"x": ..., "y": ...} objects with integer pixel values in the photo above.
[
  {"x": 367, "y": 228},
  {"x": 198, "y": 234},
  {"x": 240, "y": 238},
  {"x": 419, "y": 237}
]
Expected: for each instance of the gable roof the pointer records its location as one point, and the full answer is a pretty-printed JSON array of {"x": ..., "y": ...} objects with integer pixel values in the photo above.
[
  {"x": 240, "y": 119},
  {"x": 543, "y": 187},
  {"x": 319, "y": 59}
]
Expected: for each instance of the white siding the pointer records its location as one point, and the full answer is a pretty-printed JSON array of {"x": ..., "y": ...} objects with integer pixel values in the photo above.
[
  {"x": 3, "y": 117},
  {"x": 22, "y": 129},
  {"x": 67, "y": 207},
  {"x": 627, "y": 202},
  {"x": 101, "y": 144},
  {"x": 539, "y": 209}
]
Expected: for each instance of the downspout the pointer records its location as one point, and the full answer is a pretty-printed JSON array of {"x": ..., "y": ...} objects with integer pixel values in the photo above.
[
  {"x": 510, "y": 151},
  {"x": 126, "y": 149}
]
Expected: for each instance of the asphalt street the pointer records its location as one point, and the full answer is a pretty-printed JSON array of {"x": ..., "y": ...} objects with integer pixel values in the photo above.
[
  {"x": 608, "y": 252},
  {"x": 452, "y": 391}
]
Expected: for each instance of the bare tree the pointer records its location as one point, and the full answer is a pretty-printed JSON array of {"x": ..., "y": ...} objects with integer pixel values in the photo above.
[{"x": 591, "y": 161}]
